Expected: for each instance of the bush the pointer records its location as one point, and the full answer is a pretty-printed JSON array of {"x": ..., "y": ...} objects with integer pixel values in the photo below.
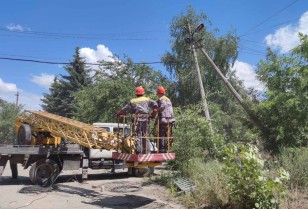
[
  {"x": 210, "y": 184},
  {"x": 8, "y": 114},
  {"x": 193, "y": 138},
  {"x": 295, "y": 161},
  {"x": 249, "y": 185}
]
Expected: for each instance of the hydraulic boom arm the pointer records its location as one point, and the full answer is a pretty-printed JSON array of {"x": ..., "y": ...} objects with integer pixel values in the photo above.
[{"x": 81, "y": 133}]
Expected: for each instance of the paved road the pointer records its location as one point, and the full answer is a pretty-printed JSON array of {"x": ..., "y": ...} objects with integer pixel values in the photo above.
[{"x": 102, "y": 190}]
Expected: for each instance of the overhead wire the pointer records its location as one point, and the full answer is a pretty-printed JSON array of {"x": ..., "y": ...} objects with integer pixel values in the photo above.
[
  {"x": 38, "y": 34},
  {"x": 252, "y": 50},
  {"x": 27, "y": 56},
  {"x": 66, "y": 63},
  {"x": 274, "y": 26},
  {"x": 270, "y": 17}
]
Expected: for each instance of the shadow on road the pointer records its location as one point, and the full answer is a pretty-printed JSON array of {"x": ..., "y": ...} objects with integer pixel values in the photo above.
[
  {"x": 117, "y": 202},
  {"x": 24, "y": 180},
  {"x": 21, "y": 180},
  {"x": 94, "y": 198}
]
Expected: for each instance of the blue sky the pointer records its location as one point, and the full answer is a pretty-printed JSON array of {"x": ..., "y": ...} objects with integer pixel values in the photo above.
[{"x": 50, "y": 31}]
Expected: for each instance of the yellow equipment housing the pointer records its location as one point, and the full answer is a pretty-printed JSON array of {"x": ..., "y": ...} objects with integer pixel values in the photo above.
[{"x": 56, "y": 127}]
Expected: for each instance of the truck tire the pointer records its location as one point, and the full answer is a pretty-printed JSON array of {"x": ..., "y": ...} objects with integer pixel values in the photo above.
[
  {"x": 24, "y": 135},
  {"x": 143, "y": 172},
  {"x": 44, "y": 172}
]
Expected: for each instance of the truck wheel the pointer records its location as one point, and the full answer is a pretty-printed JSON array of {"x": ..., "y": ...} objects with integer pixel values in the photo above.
[
  {"x": 143, "y": 172},
  {"x": 24, "y": 135},
  {"x": 44, "y": 172}
]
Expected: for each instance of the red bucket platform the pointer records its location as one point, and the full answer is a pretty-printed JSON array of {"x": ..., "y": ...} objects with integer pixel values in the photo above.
[{"x": 153, "y": 157}]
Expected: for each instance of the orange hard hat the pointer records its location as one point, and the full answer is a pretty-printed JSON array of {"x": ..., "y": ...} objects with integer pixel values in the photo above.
[
  {"x": 139, "y": 90},
  {"x": 161, "y": 90}
]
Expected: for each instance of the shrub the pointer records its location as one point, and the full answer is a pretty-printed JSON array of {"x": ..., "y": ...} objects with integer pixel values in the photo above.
[
  {"x": 210, "y": 184},
  {"x": 249, "y": 185},
  {"x": 193, "y": 138},
  {"x": 295, "y": 161},
  {"x": 8, "y": 114}
]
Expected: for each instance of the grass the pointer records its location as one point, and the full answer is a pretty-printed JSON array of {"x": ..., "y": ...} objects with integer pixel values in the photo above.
[
  {"x": 210, "y": 191},
  {"x": 295, "y": 161},
  {"x": 207, "y": 176}
]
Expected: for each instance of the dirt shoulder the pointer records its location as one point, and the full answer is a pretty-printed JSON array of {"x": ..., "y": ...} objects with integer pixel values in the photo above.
[{"x": 102, "y": 190}]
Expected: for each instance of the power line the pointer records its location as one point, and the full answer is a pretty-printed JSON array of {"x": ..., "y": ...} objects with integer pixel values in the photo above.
[
  {"x": 251, "y": 53},
  {"x": 78, "y": 37},
  {"x": 251, "y": 49},
  {"x": 119, "y": 36},
  {"x": 274, "y": 26},
  {"x": 256, "y": 42},
  {"x": 264, "y": 21},
  {"x": 27, "y": 56},
  {"x": 66, "y": 63}
]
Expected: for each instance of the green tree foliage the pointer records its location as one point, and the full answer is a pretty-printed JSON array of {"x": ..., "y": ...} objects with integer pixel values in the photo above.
[
  {"x": 285, "y": 107},
  {"x": 53, "y": 102},
  {"x": 248, "y": 182},
  {"x": 60, "y": 100},
  {"x": 193, "y": 137},
  {"x": 8, "y": 114},
  {"x": 114, "y": 87},
  {"x": 185, "y": 88},
  {"x": 179, "y": 62},
  {"x": 294, "y": 160}
]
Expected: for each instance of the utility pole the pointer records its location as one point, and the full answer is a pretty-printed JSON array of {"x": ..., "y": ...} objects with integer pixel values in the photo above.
[
  {"x": 202, "y": 92},
  {"x": 17, "y": 96},
  {"x": 230, "y": 87}
]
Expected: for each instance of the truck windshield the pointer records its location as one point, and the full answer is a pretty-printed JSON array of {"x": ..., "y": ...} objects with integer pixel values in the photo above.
[{"x": 120, "y": 130}]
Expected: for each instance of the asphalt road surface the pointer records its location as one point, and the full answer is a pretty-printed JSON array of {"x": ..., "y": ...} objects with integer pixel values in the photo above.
[{"x": 101, "y": 190}]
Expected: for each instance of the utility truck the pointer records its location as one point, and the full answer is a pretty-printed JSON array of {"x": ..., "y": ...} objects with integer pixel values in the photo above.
[{"x": 49, "y": 144}]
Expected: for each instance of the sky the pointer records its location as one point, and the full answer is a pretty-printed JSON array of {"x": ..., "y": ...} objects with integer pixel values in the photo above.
[{"x": 51, "y": 30}]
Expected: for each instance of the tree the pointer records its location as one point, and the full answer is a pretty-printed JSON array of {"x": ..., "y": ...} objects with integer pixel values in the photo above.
[
  {"x": 114, "y": 87},
  {"x": 284, "y": 109},
  {"x": 60, "y": 100},
  {"x": 53, "y": 102},
  {"x": 8, "y": 114},
  {"x": 180, "y": 65},
  {"x": 223, "y": 51}
]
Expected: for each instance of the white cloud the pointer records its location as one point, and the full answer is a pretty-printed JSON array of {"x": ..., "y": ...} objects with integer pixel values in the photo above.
[
  {"x": 93, "y": 56},
  {"x": 7, "y": 87},
  {"x": 44, "y": 79},
  {"x": 286, "y": 38},
  {"x": 29, "y": 100},
  {"x": 246, "y": 73},
  {"x": 17, "y": 27}
]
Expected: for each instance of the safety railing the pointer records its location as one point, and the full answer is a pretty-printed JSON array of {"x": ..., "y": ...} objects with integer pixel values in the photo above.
[{"x": 146, "y": 135}]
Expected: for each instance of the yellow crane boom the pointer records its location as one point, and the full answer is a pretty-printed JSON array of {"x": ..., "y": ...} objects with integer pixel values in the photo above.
[{"x": 84, "y": 134}]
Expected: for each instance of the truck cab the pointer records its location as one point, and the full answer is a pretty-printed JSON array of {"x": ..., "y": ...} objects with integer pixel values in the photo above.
[
  {"x": 122, "y": 129},
  {"x": 114, "y": 127}
]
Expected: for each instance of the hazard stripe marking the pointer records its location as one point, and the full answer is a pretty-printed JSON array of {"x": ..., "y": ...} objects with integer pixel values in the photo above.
[{"x": 144, "y": 157}]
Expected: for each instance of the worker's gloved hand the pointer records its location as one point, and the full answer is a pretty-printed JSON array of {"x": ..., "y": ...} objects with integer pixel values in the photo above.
[{"x": 154, "y": 113}]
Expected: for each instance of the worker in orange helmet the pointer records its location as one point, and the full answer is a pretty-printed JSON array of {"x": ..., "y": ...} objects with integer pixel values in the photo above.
[
  {"x": 140, "y": 107},
  {"x": 165, "y": 120}
]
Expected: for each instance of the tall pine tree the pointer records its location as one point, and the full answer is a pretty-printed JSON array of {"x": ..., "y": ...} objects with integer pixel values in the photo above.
[{"x": 61, "y": 100}]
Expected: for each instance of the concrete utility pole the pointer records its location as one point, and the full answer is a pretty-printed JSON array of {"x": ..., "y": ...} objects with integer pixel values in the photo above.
[
  {"x": 17, "y": 96},
  {"x": 202, "y": 92},
  {"x": 227, "y": 83}
]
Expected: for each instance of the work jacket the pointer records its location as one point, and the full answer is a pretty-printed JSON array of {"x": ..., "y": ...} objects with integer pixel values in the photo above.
[
  {"x": 141, "y": 105},
  {"x": 165, "y": 110}
]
